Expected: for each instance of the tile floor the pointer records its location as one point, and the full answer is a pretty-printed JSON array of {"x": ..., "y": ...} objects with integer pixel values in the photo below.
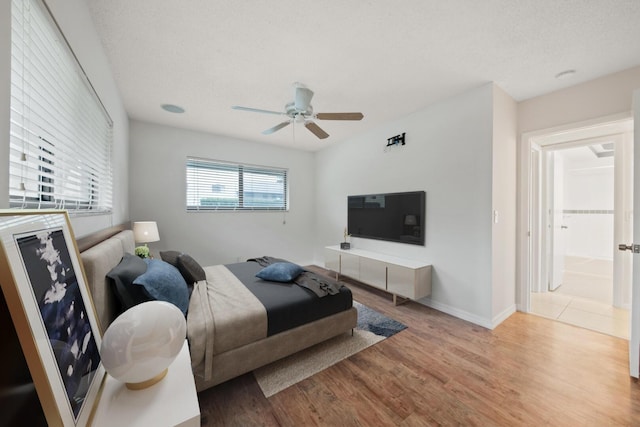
[{"x": 584, "y": 299}]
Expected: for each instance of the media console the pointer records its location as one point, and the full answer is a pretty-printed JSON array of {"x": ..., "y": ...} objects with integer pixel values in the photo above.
[{"x": 398, "y": 276}]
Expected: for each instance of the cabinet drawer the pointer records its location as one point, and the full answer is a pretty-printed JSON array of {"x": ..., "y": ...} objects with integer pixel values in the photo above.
[
  {"x": 350, "y": 265},
  {"x": 373, "y": 272},
  {"x": 401, "y": 281},
  {"x": 332, "y": 260}
]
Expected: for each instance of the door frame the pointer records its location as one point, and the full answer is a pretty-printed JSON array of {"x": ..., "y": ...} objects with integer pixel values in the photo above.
[{"x": 528, "y": 244}]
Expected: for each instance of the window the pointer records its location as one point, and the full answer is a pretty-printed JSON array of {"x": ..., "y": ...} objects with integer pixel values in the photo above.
[
  {"x": 60, "y": 134},
  {"x": 221, "y": 186}
]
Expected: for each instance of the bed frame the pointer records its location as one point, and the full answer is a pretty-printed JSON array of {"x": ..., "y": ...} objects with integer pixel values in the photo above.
[{"x": 100, "y": 256}]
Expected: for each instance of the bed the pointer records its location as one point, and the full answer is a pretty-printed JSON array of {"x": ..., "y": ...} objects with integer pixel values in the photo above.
[{"x": 236, "y": 322}]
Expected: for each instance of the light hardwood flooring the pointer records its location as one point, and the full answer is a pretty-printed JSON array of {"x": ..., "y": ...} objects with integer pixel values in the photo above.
[{"x": 529, "y": 371}]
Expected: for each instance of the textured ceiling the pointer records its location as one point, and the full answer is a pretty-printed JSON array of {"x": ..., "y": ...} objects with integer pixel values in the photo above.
[{"x": 385, "y": 58}]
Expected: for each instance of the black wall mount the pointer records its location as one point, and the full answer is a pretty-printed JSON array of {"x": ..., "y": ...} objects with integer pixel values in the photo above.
[{"x": 396, "y": 140}]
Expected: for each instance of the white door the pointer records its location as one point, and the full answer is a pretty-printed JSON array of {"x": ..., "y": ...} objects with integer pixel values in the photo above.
[
  {"x": 623, "y": 220},
  {"x": 634, "y": 341},
  {"x": 558, "y": 236}
]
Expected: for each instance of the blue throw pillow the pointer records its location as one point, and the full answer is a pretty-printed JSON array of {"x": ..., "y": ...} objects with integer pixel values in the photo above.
[
  {"x": 163, "y": 282},
  {"x": 280, "y": 272}
]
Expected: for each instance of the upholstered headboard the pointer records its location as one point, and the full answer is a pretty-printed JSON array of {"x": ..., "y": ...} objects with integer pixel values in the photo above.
[{"x": 98, "y": 261}]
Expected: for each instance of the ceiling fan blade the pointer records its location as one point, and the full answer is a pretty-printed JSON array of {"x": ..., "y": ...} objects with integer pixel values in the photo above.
[
  {"x": 276, "y": 128},
  {"x": 316, "y": 130},
  {"x": 303, "y": 98},
  {"x": 257, "y": 110},
  {"x": 339, "y": 116}
]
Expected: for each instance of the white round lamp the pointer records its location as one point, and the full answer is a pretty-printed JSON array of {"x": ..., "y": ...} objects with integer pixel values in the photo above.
[{"x": 142, "y": 342}]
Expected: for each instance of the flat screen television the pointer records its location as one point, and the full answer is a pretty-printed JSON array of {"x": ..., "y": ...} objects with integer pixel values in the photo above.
[{"x": 396, "y": 217}]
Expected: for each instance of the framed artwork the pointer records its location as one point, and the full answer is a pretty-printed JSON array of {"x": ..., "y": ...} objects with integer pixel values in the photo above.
[{"x": 48, "y": 298}]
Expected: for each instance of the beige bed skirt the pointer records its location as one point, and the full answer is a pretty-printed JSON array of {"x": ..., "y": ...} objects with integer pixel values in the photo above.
[{"x": 244, "y": 359}]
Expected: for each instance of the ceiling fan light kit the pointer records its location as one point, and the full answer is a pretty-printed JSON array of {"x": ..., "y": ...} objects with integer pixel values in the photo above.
[{"x": 300, "y": 110}]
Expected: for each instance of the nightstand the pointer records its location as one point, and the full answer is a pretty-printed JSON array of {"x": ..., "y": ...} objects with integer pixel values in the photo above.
[{"x": 171, "y": 402}]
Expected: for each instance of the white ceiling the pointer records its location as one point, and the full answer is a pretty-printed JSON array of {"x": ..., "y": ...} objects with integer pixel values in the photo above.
[{"x": 385, "y": 58}]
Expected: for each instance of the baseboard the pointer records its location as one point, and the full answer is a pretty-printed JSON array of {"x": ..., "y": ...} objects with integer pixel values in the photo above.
[
  {"x": 503, "y": 316},
  {"x": 456, "y": 312},
  {"x": 460, "y": 314}
]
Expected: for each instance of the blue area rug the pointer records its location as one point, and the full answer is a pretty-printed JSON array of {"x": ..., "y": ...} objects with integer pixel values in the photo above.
[{"x": 372, "y": 321}]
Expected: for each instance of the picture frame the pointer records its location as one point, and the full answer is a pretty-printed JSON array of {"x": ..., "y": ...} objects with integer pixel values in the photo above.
[{"x": 46, "y": 291}]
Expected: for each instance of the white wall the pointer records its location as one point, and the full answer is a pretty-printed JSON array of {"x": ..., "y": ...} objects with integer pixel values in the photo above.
[
  {"x": 158, "y": 188},
  {"x": 75, "y": 21},
  {"x": 601, "y": 97},
  {"x": 448, "y": 153},
  {"x": 588, "y": 187},
  {"x": 504, "y": 205}
]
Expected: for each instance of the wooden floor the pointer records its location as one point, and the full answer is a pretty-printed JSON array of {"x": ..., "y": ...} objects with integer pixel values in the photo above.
[{"x": 445, "y": 371}]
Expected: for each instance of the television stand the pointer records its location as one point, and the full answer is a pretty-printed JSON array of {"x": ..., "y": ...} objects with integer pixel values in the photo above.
[
  {"x": 397, "y": 300},
  {"x": 403, "y": 278}
]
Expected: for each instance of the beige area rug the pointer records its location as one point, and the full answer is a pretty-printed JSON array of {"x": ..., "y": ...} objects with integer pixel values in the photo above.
[
  {"x": 283, "y": 373},
  {"x": 372, "y": 328}
]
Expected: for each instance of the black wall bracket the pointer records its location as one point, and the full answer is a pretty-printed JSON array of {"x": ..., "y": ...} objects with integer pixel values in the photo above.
[{"x": 396, "y": 140}]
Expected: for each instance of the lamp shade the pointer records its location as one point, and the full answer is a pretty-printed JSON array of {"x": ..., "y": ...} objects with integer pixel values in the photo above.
[
  {"x": 142, "y": 342},
  {"x": 145, "y": 231}
]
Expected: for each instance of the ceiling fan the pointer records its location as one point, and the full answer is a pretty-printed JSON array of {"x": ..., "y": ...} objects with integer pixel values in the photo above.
[{"x": 301, "y": 111}]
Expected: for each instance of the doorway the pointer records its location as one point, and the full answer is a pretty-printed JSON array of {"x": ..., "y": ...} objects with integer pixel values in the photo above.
[
  {"x": 579, "y": 206},
  {"x": 577, "y": 211}
]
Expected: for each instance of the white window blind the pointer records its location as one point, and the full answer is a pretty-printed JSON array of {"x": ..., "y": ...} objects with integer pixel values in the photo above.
[
  {"x": 222, "y": 186},
  {"x": 60, "y": 134}
]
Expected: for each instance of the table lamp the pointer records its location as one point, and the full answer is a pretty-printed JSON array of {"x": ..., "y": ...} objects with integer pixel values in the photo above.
[
  {"x": 145, "y": 232},
  {"x": 142, "y": 342}
]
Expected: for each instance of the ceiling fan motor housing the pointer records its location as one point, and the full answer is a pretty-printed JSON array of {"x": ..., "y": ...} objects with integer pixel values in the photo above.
[{"x": 292, "y": 111}]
